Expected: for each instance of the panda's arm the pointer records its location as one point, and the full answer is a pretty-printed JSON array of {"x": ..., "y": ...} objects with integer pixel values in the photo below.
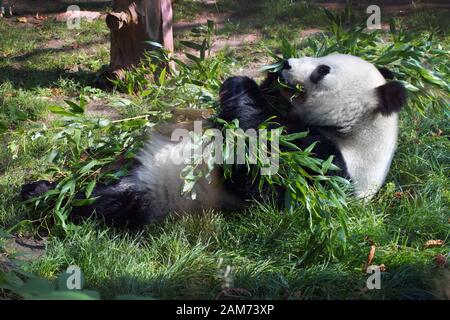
[{"x": 241, "y": 98}]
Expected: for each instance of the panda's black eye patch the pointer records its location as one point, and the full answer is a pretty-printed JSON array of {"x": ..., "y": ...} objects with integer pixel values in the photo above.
[{"x": 319, "y": 73}]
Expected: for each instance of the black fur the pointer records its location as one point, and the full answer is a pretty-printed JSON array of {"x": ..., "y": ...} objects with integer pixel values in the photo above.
[
  {"x": 392, "y": 96},
  {"x": 386, "y": 73},
  {"x": 34, "y": 189},
  {"x": 253, "y": 105},
  {"x": 319, "y": 73},
  {"x": 119, "y": 204},
  {"x": 123, "y": 203},
  {"x": 286, "y": 65},
  {"x": 241, "y": 98}
]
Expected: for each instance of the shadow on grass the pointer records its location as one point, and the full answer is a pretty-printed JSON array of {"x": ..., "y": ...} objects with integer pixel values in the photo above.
[
  {"x": 56, "y": 6},
  {"x": 406, "y": 282},
  {"x": 63, "y": 49},
  {"x": 25, "y": 76},
  {"x": 31, "y": 78}
]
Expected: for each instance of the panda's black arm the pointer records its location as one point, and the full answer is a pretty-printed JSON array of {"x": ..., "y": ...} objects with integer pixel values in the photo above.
[
  {"x": 242, "y": 99},
  {"x": 119, "y": 204}
]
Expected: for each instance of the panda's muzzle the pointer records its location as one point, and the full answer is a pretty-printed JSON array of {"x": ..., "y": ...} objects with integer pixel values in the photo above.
[
  {"x": 290, "y": 90},
  {"x": 282, "y": 79}
]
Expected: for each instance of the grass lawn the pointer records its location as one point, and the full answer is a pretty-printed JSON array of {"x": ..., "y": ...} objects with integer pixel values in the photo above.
[{"x": 261, "y": 253}]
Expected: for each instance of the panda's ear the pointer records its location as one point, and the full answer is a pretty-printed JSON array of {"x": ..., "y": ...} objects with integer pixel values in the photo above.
[
  {"x": 392, "y": 96},
  {"x": 386, "y": 73}
]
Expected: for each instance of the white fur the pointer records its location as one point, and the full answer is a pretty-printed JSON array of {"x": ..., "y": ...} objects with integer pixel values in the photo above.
[
  {"x": 368, "y": 153},
  {"x": 346, "y": 98},
  {"x": 160, "y": 176}
]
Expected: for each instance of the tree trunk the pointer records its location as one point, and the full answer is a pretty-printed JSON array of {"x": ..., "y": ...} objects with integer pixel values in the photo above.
[{"x": 132, "y": 23}]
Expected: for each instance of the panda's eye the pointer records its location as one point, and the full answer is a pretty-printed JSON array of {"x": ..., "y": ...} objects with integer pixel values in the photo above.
[{"x": 319, "y": 73}]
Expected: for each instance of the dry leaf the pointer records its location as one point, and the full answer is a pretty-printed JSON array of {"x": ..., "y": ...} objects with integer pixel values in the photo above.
[
  {"x": 22, "y": 19},
  {"x": 56, "y": 91},
  {"x": 440, "y": 260},
  {"x": 403, "y": 194},
  {"x": 398, "y": 194},
  {"x": 438, "y": 133},
  {"x": 433, "y": 243},
  {"x": 370, "y": 257}
]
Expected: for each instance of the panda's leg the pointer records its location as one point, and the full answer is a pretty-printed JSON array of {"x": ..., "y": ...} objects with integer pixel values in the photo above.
[
  {"x": 35, "y": 189},
  {"x": 241, "y": 98},
  {"x": 118, "y": 204}
]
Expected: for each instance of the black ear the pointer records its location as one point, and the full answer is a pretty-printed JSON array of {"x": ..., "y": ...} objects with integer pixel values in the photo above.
[
  {"x": 319, "y": 73},
  {"x": 392, "y": 96},
  {"x": 386, "y": 73}
]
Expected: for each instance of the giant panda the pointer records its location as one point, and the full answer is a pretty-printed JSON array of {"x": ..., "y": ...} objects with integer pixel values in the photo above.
[{"x": 346, "y": 104}]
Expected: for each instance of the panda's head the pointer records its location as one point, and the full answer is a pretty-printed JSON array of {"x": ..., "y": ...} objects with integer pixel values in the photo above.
[{"x": 339, "y": 91}]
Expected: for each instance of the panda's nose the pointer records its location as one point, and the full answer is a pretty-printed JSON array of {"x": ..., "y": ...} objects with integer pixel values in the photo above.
[{"x": 286, "y": 65}]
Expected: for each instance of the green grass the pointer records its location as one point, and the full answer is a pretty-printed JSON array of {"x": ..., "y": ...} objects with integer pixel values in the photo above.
[{"x": 262, "y": 248}]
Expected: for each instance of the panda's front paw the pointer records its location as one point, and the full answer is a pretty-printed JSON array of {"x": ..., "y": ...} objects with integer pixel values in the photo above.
[
  {"x": 241, "y": 99},
  {"x": 35, "y": 189}
]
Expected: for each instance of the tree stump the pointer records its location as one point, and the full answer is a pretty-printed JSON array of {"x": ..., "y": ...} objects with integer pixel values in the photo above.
[{"x": 132, "y": 23}]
